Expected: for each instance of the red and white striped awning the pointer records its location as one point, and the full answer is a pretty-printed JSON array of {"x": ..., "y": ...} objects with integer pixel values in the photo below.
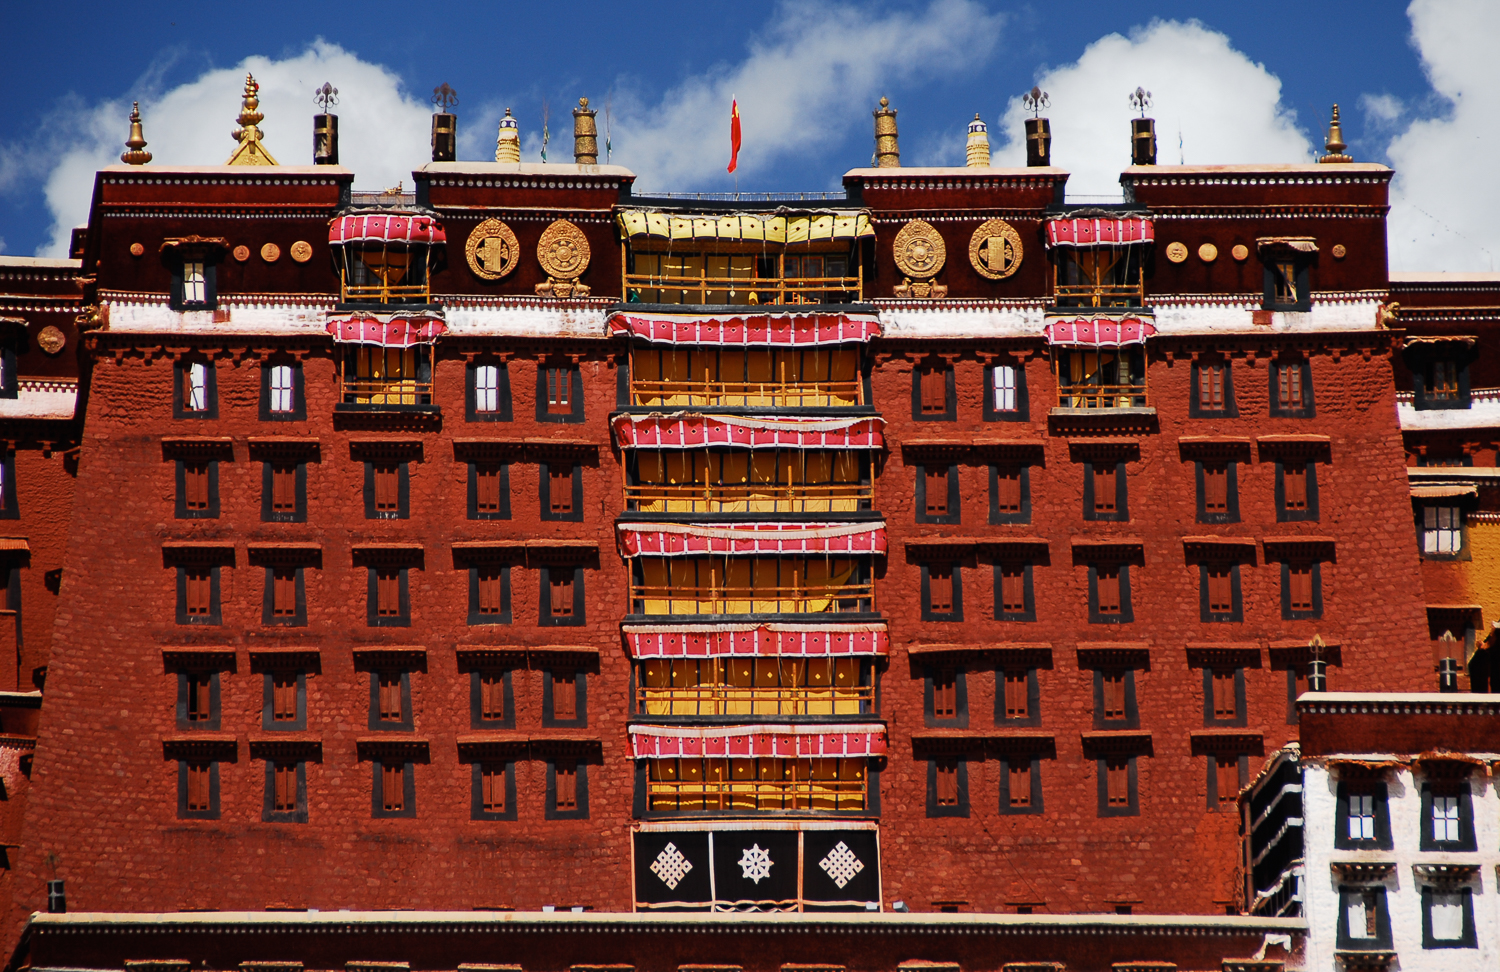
[
  {"x": 772, "y": 539},
  {"x": 1100, "y": 332},
  {"x": 776, "y": 330},
  {"x": 385, "y": 330},
  {"x": 1100, "y": 232},
  {"x": 795, "y": 640},
  {"x": 385, "y": 228},
  {"x": 749, "y": 742},
  {"x": 694, "y": 430}
]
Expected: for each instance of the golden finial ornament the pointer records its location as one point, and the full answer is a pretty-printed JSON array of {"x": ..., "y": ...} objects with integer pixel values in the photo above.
[
  {"x": 887, "y": 152},
  {"x": 1335, "y": 145},
  {"x": 508, "y": 140},
  {"x": 135, "y": 146},
  {"x": 250, "y": 151},
  {"x": 977, "y": 153},
  {"x": 585, "y": 134}
]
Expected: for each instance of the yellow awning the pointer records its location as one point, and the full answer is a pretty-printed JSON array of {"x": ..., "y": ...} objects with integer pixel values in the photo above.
[{"x": 845, "y": 224}]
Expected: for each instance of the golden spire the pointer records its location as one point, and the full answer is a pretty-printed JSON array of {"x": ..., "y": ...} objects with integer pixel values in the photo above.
[
  {"x": 887, "y": 152},
  {"x": 508, "y": 140},
  {"x": 1335, "y": 145},
  {"x": 978, "y": 149},
  {"x": 135, "y": 146},
  {"x": 250, "y": 151},
  {"x": 585, "y": 134}
]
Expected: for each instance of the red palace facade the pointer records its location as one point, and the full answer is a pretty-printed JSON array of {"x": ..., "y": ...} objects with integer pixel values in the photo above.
[{"x": 528, "y": 544}]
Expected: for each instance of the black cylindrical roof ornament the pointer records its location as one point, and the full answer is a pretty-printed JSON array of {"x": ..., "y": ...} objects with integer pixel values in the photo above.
[
  {"x": 1142, "y": 130},
  {"x": 444, "y": 124},
  {"x": 1038, "y": 129},
  {"x": 326, "y": 127}
]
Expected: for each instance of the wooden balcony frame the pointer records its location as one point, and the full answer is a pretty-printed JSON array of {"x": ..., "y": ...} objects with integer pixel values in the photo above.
[
  {"x": 757, "y": 497},
  {"x": 1099, "y": 396},
  {"x": 384, "y": 293},
  {"x": 731, "y": 795},
  {"x": 718, "y": 696},
  {"x": 754, "y": 597},
  {"x": 780, "y": 394},
  {"x": 784, "y": 290}
]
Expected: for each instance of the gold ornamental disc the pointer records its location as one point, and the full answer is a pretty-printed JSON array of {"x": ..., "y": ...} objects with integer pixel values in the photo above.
[
  {"x": 1208, "y": 253},
  {"x": 1177, "y": 252},
  {"x": 270, "y": 253},
  {"x": 995, "y": 249},
  {"x": 492, "y": 250},
  {"x": 563, "y": 251},
  {"x": 919, "y": 250},
  {"x": 301, "y": 251},
  {"x": 51, "y": 339}
]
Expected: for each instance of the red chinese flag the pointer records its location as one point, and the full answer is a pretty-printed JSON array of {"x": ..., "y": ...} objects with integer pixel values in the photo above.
[{"x": 734, "y": 135}]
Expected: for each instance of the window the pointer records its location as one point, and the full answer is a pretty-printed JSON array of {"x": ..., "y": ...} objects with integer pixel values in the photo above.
[
  {"x": 198, "y": 789},
  {"x": 947, "y": 697},
  {"x": 1228, "y": 774},
  {"x": 567, "y": 790},
  {"x": 1301, "y": 591},
  {"x": 1017, "y": 697},
  {"x": 489, "y": 491},
  {"x": 937, "y": 494},
  {"x": 1114, "y": 695},
  {"x": 1212, "y": 391},
  {"x": 932, "y": 393},
  {"x": 285, "y": 703},
  {"x": 1020, "y": 785},
  {"x": 489, "y": 594},
  {"x": 195, "y": 487},
  {"x": 1117, "y": 787},
  {"x": 1109, "y": 594},
  {"x": 1014, "y": 600},
  {"x": 490, "y": 700},
  {"x": 1296, "y": 491},
  {"x": 1362, "y": 816},
  {"x": 1003, "y": 388},
  {"x": 488, "y": 393},
  {"x": 198, "y": 595},
  {"x": 390, "y": 700},
  {"x": 8, "y": 508},
  {"x": 1447, "y": 816},
  {"x": 198, "y": 700},
  {"x": 1364, "y": 922},
  {"x": 1099, "y": 378},
  {"x": 283, "y": 488},
  {"x": 385, "y": 481},
  {"x": 559, "y": 394},
  {"x": 562, "y": 596},
  {"x": 564, "y": 702},
  {"x": 1010, "y": 494},
  {"x": 494, "y": 791},
  {"x": 1223, "y": 696},
  {"x": 389, "y": 604},
  {"x": 1286, "y": 282},
  {"x": 1114, "y": 699},
  {"x": 1442, "y": 381},
  {"x": 195, "y": 389},
  {"x": 1219, "y": 592},
  {"x": 1448, "y": 918},
  {"x": 1442, "y": 531},
  {"x": 394, "y": 791},
  {"x": 1104, "y": 495},
  {"x": 1291, "y": 389},
  {"x": 281, "y": 398},
  {"x": 942, "y": 593},
  {"x": 562, "y": 491},
  {"x": 1006, "y": 399},
  {"x": 286, "y": 791},
  {"x": 1218, "y": 491},
  {"x": 1437, "y": 382},
  {"x": 193, "y": 284},
  {"x": 947, "y": 787},
  {"x": 286, "y": 602}
]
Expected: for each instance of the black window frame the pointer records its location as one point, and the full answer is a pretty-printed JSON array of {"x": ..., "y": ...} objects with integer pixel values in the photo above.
[
  {"x": 268, "y": 721},
  {"x": 581, "y": 812},
  {"x": 1382, "y": 940},
  {"x": 575, "y": 391},
  {"x": 403, "y": 491},
  {"x": 1033, "y": 697},
  {"x": 1237, "y": 610},
  {"x": 268, "y": 616},
  {"x": 373, "y": 617},
  {"x": 544, "y": 489},
  {"x": 476, "y": 809},
  {"x": 950, "y": 412},
  {"x": 957, "y": 614},
  {"x": 210, "y": 388},
  {"x": 406, "y": 722},
  {"x": 1024, "y": 516},
  {"x": 269, "y": 813},
  {"x": 476, "y": 710},
  {"x": 212, "y": 813},
  {"x": 1022, "y": 411},
  {"x": 215, "y": 614},
  {"x": 10, "y": 508},
  {"x": 408, "y": 789},
  {"x": 1132, "y": 718},
  {"x": 1302, "y": 266},
  {"x": 1420, "y": 399},
  {"x": 298, "y": 411},
  {"x": 1241, "y": 709},
  {"x": 1195, "y": 406},
  {"x": 955, "y": 513},
  {"x": 1127, "y": 611},
  {"x": 1309, "y": 515},
  {"x": 1122, "y": 494},
  {"x": 1308, "y": 408},
  {"x": 176, "y": 265},
  {"x": 215, "y": 706},
  {"x": 1231, "y": 491},
  {"x": 267, "y": 487},
  {"x": 1029, "y": 593},
  {"x": 506, "y": 616},
  {"x": 544, "y": 611},
  {"x": 1463, "y": 552},
  {"x": 1469, "y": 937},
  {"x": 1466, "y": 837},
  {"x": 1376, "y": 788},
  {"x": 502, "y": 392},
  {"x": 580, "y": 702},
  {"x": 1036, "y": 809},
  {"x": 1287, "y": 614},
  {"x": 474, "y": 512},
  {"x": 181, "y": 511},
  {"x": 959, "y": 809},
  {"x": 1242, "y": 768},
  {"x": 1131, "y": 809},
  {"x": 930, "y": 718}
]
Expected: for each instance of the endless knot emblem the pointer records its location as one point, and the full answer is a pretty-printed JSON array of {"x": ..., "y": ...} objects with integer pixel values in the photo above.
[
  {"x": 671, "y": 866},
  {"x": 919, "y": 250},
  {"x": 841, "y": 864},
  {"x": 492, "y": 250},
  {"x": 755, "y": 863},
  {"x": 995, "y": 249}
]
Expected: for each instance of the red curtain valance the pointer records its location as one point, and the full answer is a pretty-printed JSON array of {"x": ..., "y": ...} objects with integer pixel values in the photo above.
[
  {"x": 385, "y": 330},
  {"x": 694, "y": 430},
  {"x": 748, "y": 539},
  {"x": 1100, "y": 332},
  {"x": 1099, "y": 232},
  {"x": 385, "y": 228},
  {"x": 749, "y": 742},
  {"x": 795, "y": 640},
  {"x": 776, "y": 330}
]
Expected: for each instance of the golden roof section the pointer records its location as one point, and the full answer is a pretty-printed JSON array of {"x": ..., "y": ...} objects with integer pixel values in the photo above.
[
  {"x": 846, "y": 224},
  {"x": 250, "y": 150}
]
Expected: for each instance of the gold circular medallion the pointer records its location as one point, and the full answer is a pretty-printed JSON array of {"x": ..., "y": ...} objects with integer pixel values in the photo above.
[
  {"x": 137, "y": 249},
  {"x": 492, "y": 250},
  {"x": 1176, "y": 252},
  {"x": 242, "y": 253},
  {"x": 919, "y": 250},
  {"x": 270, "y": 253},
  {"x": 995, "y": 249},
  {"x": 1208, "y": 253},
  {"x": 51, "y": 340},
  {"x": 1339, "y": 252},
  {"x": 1240, "y": 252},
  {"x": 563, "y": 251},
  {"x": 301, "y": 251}
]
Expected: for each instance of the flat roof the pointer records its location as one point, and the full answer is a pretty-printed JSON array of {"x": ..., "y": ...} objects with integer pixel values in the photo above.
[
  {"x": 525, "y": 168},
  {"x": 1442, "y": 277},
  {"x": 40, "y": 263},
  {"x": 954, "y": 171},
  {"x": 1300, "y": 168}
]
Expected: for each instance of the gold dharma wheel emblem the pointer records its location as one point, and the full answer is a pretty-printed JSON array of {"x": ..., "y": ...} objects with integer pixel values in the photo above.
[
  {"x": 919, "y": 250},
  {"x": 492, "y": 250},
  {"x": 563, "y": 252},
  {"x": 995, "y": 249}
]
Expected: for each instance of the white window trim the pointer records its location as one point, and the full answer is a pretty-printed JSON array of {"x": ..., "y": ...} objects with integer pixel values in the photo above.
[
  {"x": 1361, "y": 816},
  {"x": 487, "y": 388},
  {"x": 1445, "y": 818},
  {"x": 1442, "y": 529},
  {"x": 283, "y": 388}
]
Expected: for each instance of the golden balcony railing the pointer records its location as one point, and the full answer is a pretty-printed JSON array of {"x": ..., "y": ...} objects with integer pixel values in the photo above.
[
  {"x": 1098, "y": 295},
  {"x": 656, "y": 288},
  {"x": 747, "y": 394},
  {"x": 832, "y": 785},
  {"x": 378, "y": 392},
  {"x": 716, "y": 498},
  {"x": 752, "y": 687},
  {"x": 387, "y": 293},
  {"x": 753, "y": 599},
  {"x": 1103, "y": 396}
]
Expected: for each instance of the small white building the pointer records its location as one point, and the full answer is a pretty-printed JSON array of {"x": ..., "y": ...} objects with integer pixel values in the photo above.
[{"x": 1382, "y": 829}]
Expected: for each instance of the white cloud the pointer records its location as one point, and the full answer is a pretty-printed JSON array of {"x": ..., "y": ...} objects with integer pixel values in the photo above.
[
  {"x": 1444, "y": 196},
  {"x": 1381, "y": 109},
  {"x": 383, "y": 129},
  {"x": 2, "y": 244},
  {"x": 1227, "y": 107},
  {"x": 812, "y": 77}
]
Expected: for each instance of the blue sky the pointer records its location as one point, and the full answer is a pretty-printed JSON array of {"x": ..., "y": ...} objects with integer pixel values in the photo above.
[{"x": 806, "y": 76}]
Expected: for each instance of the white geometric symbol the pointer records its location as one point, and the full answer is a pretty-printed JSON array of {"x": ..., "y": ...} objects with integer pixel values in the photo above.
[
  {"x": 755, "y": 863},
  {"x": 671, "y": 866},
  {"x": 841, "y": 864}
]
